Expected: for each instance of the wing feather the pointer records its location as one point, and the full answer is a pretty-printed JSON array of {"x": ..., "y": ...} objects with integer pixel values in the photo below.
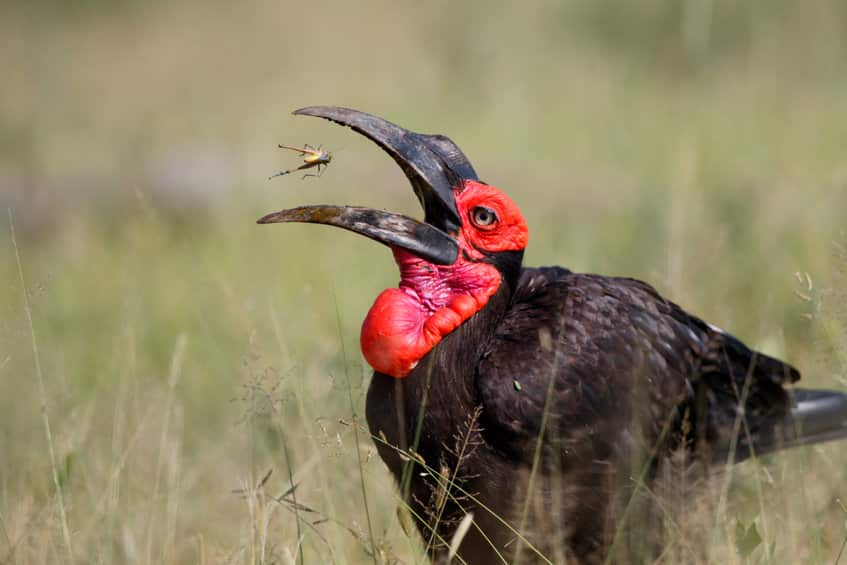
[{"x": 612, "y": 364}]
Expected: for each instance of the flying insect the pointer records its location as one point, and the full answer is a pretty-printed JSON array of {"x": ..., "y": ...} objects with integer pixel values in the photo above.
[{"x": 312, "y": 157}]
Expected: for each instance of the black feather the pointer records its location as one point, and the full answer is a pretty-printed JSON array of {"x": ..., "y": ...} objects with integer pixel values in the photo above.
[{"x": 620, "y": 378}]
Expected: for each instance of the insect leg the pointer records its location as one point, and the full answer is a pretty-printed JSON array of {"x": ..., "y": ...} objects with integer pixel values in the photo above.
[
  {"x": 312, "y": 174},
  {"x": 279, "y": 174},
  {"x": 320, "y": 171},
  {"x": 300, "y": 150}
]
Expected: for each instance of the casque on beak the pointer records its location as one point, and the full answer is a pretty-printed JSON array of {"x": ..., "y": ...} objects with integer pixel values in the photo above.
[{"x": 433, "y": 164}]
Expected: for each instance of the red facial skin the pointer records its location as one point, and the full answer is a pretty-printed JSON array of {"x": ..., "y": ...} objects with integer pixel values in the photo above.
[{"x": 405, "y": 323}]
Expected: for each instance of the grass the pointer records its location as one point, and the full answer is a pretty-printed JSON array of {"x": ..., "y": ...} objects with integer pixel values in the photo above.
[
  {"x": 48, "y": 432},
  {"x": 182, "y": 351}
]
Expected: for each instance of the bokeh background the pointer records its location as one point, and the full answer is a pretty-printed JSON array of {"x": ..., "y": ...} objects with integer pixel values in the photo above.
[{"x": 160, "y": 353}]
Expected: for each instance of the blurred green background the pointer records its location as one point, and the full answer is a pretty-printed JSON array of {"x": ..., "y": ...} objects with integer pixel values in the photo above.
[{"x": 182, "y": 351}]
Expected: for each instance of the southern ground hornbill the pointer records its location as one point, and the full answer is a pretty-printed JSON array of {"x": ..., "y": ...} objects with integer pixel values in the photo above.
[{"x": 540, "y": 400}]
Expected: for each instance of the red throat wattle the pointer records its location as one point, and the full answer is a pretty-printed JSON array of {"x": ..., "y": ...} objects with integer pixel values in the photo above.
[{"x": 405, "y": 323}]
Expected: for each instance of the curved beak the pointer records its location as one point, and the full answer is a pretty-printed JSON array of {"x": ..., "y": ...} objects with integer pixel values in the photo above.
[
  {"x": 434, "y": 166},
  {"x": 393, "y": 230}
]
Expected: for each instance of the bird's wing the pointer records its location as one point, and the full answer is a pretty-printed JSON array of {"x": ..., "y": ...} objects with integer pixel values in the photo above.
[{"x": 604, "y": 364}]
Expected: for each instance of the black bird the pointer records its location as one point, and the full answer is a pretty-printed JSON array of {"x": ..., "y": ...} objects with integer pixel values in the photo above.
[{"x": 538, "y": 399}]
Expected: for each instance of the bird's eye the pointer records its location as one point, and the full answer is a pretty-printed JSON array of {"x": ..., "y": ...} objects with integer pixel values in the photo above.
[{"x": 483, "y": 217}]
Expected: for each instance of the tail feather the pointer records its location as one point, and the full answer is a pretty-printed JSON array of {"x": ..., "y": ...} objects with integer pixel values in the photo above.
[{"x": 816, "y": 416}]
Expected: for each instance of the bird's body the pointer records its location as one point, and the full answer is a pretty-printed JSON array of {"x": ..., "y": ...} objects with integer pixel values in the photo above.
[
  {"x": 543, "y": 402},
  {"x": 623, "y": 370}
]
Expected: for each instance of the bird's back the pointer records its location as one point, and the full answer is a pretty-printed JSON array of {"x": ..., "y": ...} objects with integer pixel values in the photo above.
[
  {"x": 594, "y": 381},
  {"x": 605, "y": 353}
]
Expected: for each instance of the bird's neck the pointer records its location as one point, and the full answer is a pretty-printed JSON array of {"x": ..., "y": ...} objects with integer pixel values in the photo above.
[
  {"x": 432, "y": 301},
  {"x": 439, "y": 393}
]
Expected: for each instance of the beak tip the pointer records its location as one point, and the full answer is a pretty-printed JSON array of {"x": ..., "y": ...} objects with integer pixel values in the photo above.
[{"x": 316, "y": 111}]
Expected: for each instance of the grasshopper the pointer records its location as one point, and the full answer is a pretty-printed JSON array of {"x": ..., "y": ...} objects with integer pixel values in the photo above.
[{"x": 312, "y": 157}]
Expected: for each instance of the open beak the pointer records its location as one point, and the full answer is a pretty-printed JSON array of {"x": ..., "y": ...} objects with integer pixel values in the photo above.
[
  {"x": 394, "y": 230},
  {"x": 434, "y": 166}
]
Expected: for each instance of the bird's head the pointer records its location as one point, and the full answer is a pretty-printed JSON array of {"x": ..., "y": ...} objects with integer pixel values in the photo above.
[{"x": 470, "y": 243}]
